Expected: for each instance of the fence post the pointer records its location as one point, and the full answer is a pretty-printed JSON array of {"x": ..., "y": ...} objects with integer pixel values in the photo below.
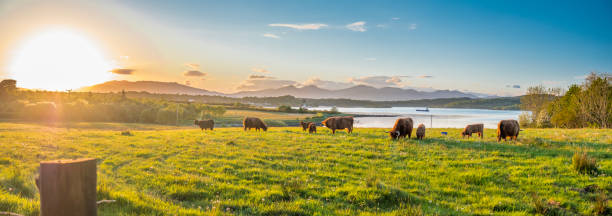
[{"x": 68, "y": 187}]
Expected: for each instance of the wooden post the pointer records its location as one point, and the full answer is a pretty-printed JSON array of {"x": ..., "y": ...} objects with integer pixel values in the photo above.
[{"x": 68, "y": 187}]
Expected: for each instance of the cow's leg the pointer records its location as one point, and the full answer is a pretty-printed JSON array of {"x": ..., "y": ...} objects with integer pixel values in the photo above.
[{"x": 333, "y": 131}]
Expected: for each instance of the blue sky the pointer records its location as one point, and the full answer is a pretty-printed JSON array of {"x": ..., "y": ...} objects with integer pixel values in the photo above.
[{"x": 478, "y": 46}]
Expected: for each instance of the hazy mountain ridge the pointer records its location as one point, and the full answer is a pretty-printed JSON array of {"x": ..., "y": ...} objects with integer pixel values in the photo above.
[
  {"x": 147, "y": 86},
  {"x": 359, "y": 92}
]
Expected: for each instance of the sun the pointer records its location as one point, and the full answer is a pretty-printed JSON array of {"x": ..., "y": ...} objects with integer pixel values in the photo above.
[{"x": 59, "y": 60}]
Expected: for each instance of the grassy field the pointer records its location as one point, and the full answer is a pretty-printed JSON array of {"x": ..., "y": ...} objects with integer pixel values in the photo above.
[{"x": 287, "y": 172}]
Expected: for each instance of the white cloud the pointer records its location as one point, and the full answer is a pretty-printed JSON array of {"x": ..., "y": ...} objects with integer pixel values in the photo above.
[
  {"x": 259, "y": 70},
  {"x": 255, "y": 76},
  {"x": 122, "y": 71},
  {"x": 325, "y": 84},
  {"x": 425, "y": 76},
  {"x": 195, "y": 73},
  {"x": 395, "y": 18},
  {"x": 381, "y": 25},
  {"x": 257, "y": 82},
  {"x": 413, "y": 26},
  {"x": 193, "y": 66},
  {"x": 357, "y": 26},
  {"x": 379, "y": 81},
  {"x": 311, "y": 26},
  {"x": 269, "y": 35}
]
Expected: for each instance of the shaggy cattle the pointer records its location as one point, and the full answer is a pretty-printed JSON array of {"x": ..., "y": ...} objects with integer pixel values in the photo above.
[
  {"x": 473, "y": 128},
  {"x": 304, "y": 125},
  {"x": 339, "y": 123},
  {"x": 507, "y": 128},
  {"x": 205, "y": 124},
  {"x": 420, "y": 133},
  {"x": 312, "y": 128},
  {"x": 253, "y": 122},
  {"x": 401, "y": 128}
]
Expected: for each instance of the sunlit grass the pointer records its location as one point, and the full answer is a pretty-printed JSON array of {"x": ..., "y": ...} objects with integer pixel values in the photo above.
[{"x": 288, "y": 172}]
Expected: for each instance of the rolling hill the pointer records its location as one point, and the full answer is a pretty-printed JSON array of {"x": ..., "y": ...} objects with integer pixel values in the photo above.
[{"x": 147, "y": 86}]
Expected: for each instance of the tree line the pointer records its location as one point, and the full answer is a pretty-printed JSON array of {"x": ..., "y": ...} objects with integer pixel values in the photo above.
[
  {"x": 100, "y": 107},
  {"x": 583, "y": 105}
]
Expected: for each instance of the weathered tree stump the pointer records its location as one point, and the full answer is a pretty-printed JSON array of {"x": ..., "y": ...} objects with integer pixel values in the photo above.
[{"x": 68, "y": 187}]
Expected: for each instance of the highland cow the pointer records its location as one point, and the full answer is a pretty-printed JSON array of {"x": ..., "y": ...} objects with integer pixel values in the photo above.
[
  {"x": 507, "y": 128},
  {"x": 304, "y": 125},
  {"x": 401, "y": 128},
  {"x": 473, "y": 128},
  {"x": 420, "y": 132},
  {"x": 253, "y": 122},
  {"x": 339, "y": 123},
  {"x": 205, "y": 124},
  {"x": 312, "y": 127}
]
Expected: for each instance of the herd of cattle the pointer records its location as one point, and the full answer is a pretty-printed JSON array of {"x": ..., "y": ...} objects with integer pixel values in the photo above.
[{"x": 402, "y": 127}]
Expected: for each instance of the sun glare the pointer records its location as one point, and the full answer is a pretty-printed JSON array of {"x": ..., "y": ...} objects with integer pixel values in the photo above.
[{"x": 59, "y": 60}]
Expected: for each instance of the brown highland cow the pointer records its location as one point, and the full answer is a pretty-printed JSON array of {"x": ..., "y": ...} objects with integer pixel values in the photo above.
[
  {"x": 205, "y": 124},
  {"x": 420, "y": 132},
  {"x": 312, "y": 128},
  {"x": 473, "y": 128},
  {"x": 507, "y": 128},
  {"x": 339, "y": 123},
  {"x": 253, "y": 122},
  {"x": 401, "y": 128}
]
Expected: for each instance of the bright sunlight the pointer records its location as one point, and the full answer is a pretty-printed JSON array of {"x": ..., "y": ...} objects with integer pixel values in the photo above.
[{"x": 59, "y": 60}]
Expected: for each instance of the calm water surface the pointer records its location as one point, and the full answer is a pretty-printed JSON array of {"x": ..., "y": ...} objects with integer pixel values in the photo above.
[{"x": 435, "y": 118}]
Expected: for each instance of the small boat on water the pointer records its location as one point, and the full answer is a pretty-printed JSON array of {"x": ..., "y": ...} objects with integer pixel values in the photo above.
[{"x": 423, "y": 110}]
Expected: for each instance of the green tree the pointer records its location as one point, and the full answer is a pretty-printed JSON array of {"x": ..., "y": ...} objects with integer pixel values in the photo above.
[
  {"x": 536, "y": 100},
  {"x": 596, "y": 100},
  {"x": 566, "y": 111}
]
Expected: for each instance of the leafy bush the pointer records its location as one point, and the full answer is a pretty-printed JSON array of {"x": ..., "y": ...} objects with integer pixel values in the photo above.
[
  {"x": 584, "y": 164},
  {"x": 525, "y": 120},
  {"x": 284, "y": 108}
]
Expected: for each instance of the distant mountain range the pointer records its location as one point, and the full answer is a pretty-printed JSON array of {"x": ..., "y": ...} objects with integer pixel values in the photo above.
[{"x": 359, "y": 92}]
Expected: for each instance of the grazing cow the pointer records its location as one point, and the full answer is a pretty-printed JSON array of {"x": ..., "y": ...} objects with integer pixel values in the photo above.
[
  {"x": 507, "y": 128},
  {"x": 473, "y": 128},
  {"x": 339, "y": 123},
  {"x": 205, "y": 124},
  {"x": 312, "y": 128},
  {"x": 253, "y": 122},
  {"x": 401, "y": 128},
  {"x": 420, "y": 133},
  {"x": 304, "y": 125}
]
